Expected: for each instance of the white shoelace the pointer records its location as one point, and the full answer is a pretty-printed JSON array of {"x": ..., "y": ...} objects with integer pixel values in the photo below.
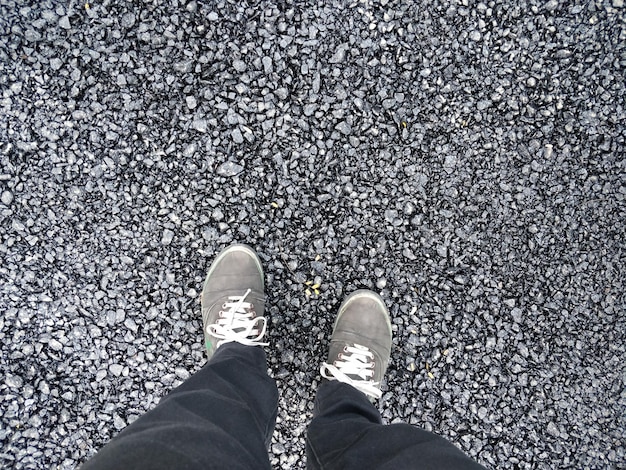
[
  {"x": 237, "y": 322},
  {"x": 355, "y": 360}
]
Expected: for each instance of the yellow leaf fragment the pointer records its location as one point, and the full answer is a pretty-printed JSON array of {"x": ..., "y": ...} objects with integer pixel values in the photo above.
[
  {"x": 274, "y": 205},
  {"x": 430, "y": 375}
]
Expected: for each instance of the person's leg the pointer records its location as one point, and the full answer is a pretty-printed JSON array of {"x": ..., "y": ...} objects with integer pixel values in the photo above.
[
  {"x": 223, "y": 416},
  {"x": 346, "y": 431}
]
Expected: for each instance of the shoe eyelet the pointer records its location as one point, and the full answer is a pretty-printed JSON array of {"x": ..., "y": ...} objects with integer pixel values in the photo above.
[
  {"x": 345, "y": 348},
  {"x": 223, "y": 305}
]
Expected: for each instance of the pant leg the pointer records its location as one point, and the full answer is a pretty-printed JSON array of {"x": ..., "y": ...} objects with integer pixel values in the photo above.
[
  {"x": 347, "y": 433},
  {"x": 221, "y": 417}
]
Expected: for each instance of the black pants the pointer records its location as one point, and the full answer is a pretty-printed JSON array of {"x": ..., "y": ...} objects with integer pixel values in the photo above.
[{"x": 223, "y": 417}]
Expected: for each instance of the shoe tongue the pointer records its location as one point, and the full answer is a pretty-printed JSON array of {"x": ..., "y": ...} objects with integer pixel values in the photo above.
[
  {"x": 255, "y": 298},
  {"x": 337, "y": 347}
]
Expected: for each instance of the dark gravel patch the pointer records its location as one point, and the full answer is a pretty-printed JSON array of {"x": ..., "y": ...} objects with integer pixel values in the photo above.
[{"x": 465, "y": 161}]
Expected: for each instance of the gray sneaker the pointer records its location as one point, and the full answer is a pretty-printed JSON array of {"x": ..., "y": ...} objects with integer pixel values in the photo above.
[
  {"x": 233, "y": 300},
  {"x": 361, "y": 343}
]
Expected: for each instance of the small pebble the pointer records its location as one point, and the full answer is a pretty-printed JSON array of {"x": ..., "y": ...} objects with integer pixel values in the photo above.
[
  {"x": 6, "y": 197},
  {"x": 229, "y": 169}
]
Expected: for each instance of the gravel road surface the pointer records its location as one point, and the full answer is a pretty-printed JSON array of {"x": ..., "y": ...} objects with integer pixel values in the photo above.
[{"x": 466, "y": 160}]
